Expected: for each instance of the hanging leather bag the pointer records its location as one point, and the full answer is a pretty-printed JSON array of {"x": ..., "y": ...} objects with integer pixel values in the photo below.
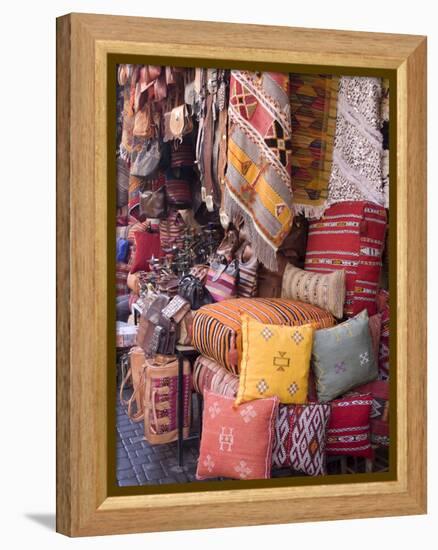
[
  {"x": 147, "y": 159},
  {"x": 153, "y": 203}
]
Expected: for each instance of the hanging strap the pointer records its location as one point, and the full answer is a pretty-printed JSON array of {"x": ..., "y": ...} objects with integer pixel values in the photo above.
[
  {"x": 122, "y": 386},
  {"x": 139, "y": 415}
]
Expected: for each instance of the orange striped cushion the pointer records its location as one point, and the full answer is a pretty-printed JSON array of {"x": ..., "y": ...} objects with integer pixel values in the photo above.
[{"x": 217, "y": 328}]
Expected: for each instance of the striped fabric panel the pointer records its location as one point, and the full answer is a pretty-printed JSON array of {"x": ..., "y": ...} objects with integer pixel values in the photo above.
[
  {"x": 350, "y": 236},
  {"x": 183, "y": 153},
  {"x": 217, "y": 327},
  {"x": 122, "y": 271},
  {"x": 210, "y": 376},
  {"x": 172, "y": 231},
  {"x": 223, "y": 288},
  {"x": 247, "y": 284},
  {"x": 178, "y": 193}
]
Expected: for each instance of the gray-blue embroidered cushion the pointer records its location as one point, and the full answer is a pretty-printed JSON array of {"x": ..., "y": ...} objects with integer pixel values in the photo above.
[{"x": 342, "y": 357}]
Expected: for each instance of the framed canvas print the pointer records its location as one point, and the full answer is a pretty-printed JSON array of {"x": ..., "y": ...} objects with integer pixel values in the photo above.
[{"x": 241, "y": 279}]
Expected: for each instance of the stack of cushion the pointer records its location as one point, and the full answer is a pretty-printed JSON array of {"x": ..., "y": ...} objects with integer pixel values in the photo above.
[
  {"x": 275, "y": 364},
  {"x": 288, "y": 359},
  {"x": 217, "y": 328}
]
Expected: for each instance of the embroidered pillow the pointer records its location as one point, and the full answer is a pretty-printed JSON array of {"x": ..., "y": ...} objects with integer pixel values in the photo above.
[
  {"x": 379, "y": 416},
  {"x": 350, "y": 236},
  {"x": 348, "y": 431},
  {"x": 343, "y": 357},
  {"x": 236, "y": 442},
  {"x": 323, "y": 290},
  {"x": 275, "y": 361},
  {"x": 300, "y": 435}
]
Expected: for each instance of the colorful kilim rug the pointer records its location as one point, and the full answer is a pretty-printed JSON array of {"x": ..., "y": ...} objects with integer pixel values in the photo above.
[
  {"x": 258, "y": 176},
  {"x": 300, "y": 438},
  {"x": 313, "y": 101}
]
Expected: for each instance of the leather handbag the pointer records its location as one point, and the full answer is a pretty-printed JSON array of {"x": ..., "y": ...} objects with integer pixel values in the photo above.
[
  {"x": 163, "y": 339},
  {"x": 180, "y": 123},
  {"x": 149, "y": 319},
  {"x": 176, "y": 308},
  {"x": 222, "y": 280},
  {"x": 161, "y": 399},
  {"x": 200, "y": 271},
  {"x": 178, "y": 192},
  {"x": 194, "y": 292},
  {"x": 160, "y": 88},
  {"x": 168, "y": 284},
  {"x": 153, "y": 203},
  {"x": 147, "y": 159},
  {"x": 143, "y": 122}
]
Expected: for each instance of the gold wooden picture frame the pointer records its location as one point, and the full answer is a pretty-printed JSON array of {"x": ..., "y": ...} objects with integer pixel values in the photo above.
[{"x": 88, "y": 47}]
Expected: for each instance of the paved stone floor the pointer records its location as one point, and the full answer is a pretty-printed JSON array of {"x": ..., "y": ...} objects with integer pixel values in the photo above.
[{"x": 139, "y": 463}]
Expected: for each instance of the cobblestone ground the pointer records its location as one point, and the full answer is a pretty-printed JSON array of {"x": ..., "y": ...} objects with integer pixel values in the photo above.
[{"x": 139, "y": 463}]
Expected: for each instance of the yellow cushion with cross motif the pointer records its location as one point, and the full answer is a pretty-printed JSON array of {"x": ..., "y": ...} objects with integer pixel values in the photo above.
[{"x": 275, "y": 362}]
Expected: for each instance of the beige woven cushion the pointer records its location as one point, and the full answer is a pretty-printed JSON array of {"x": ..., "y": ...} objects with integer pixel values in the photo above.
[{"x": 324, "y": 290}]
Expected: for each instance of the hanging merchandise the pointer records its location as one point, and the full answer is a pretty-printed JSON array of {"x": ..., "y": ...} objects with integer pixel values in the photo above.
[
  {"x": 356, "y": 173},
  {"x": 313, "y": 100},
  {"x": 178, "y": 192},
  {"x": 222, "y": 280},
  {"x": 258, "y": 177},
  {"x": 251, "y": 229},
  {"x": 147, "y": 159},
  {"x": 153, "y": 203},
  {"x": 248, "y": 267},
  {"x": 384, "y": 128}
]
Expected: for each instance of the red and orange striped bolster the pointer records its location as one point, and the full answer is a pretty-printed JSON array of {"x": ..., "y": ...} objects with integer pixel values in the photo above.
[{"x": 217, "y": 327}]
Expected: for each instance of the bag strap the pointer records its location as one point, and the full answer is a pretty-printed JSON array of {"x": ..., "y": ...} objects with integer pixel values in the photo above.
[
  {"x": 139, "y": 415},
  {"x": 122, "y": 386},
  {"x": 154, "y": 412}
]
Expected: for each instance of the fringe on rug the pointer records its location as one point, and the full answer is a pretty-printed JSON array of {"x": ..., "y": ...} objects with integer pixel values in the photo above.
[
  {"x": 314, "y": 212},
  {"x": 265, "y": 251}
]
